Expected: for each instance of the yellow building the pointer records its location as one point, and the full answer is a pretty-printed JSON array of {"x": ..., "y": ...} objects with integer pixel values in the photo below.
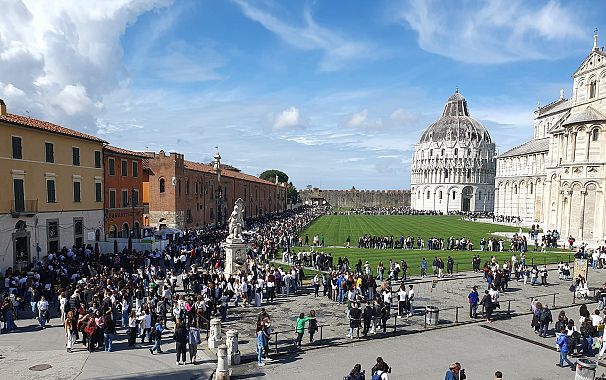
[{"x": 51, "y": 188}]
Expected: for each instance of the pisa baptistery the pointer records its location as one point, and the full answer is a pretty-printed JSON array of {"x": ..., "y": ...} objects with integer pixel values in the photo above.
[{"x": 454, "y": 164}]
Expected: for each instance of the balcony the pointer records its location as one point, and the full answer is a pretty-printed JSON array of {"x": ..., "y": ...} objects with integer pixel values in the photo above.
[{"x": 24, "y": 207}]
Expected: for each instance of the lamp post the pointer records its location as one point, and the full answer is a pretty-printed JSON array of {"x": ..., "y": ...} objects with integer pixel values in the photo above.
[
  {"x": 219, "y": 195},
  {"x": 132, "y": 201}
]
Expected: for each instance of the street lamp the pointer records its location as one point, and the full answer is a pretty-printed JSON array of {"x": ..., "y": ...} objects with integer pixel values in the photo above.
[
  {"x": 132, "y": 201},
  {"x": 219, "y": 195}
]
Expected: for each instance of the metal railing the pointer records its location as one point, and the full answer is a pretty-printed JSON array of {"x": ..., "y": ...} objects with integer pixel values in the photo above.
[{"x": 293, "y": 330}]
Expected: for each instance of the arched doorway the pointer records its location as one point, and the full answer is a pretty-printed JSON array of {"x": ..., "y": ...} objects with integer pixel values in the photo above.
[
  {"x": 136, "y": 231},
  {"x": 125, "y": 231},
  {"x": 98, "y": 234},
  {"x": 21, "y": 246},
  {"x": 466, "y": 196},
  {"x": 113, "y": 231}
]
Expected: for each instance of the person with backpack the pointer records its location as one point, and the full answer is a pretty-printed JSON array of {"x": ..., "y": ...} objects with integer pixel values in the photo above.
[
  {"x": 156, "y": 337},
  {"x": 180, "y": 336},
  {"x": 380, "y": 370},
  {"x": 356, "y": 373},
  {"x": 545, "y": 318},
  {"x": 564, "y": 345}
]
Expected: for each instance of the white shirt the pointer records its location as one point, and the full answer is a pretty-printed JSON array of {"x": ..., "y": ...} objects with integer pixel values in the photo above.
[
  {"x": 596, "y": 320},
  {"x": 402, "y": 295}
]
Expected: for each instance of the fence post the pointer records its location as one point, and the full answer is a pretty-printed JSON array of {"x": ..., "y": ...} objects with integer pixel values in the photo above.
[
  {"x": 457, "y": 268},
  {"x": 276, "y": 342},
  {"x": 425, "y": 319},
  {"x": 457, "y": 314},
  {"x": 508, "y": 307},
  {"x": 321, "y": 328},
  {"x": 554, "y": 297},
  {"x": 395, "y": 319},
  {"x": 532, "y": 261},
  {"x": 574, "y": 296}
]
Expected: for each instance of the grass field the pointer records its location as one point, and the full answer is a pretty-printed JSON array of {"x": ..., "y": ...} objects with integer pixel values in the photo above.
[{"x": 336, "y": 229}]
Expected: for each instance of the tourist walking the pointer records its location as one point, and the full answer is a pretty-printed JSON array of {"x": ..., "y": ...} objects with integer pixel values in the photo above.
[
  {"x": 486, "y": 302},
  {"x": 70, "y": 330},
  {"x": 109, "y": 331},
  {"x": 473, "y": 299},
  {"x": 156, "y": 337},
  {"x": 43, "y": 313},
  {"x": 564, "y": 345},
  {"x": 193, "y": 338},
  {"x": 356, "y": 373},
  {"x": 180, "y": 336}
]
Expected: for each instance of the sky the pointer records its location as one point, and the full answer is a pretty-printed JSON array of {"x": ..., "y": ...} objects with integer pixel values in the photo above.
[{"x": 334, "y": 93}]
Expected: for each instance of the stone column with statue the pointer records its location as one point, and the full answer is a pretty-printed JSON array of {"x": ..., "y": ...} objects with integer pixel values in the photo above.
[{"x": 234, "y": 245}]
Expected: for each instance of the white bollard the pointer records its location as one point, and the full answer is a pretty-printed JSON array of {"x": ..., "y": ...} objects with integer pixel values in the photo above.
[
  {"x": 222, "y": 372},
  {"x": 233, "y": 353},
  {"x": 214, "y": 334}
]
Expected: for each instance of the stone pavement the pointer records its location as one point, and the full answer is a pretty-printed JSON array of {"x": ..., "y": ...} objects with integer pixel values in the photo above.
[{"x": 30, "y": 347}]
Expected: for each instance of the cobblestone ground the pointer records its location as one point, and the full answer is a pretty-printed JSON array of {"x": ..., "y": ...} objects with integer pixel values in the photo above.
[{"x": 448, "y": 293}]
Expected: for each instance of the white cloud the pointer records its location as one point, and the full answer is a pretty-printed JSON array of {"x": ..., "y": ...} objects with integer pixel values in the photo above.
[
  {"x": 337, "y": 49},
  {"x": 59, "y": 59},
  {"x": 288, "y": 119},
  {"x": 403, "y": 117},
  {"x": 360, "y": 120},
  {"x": 495, "y": 31}
]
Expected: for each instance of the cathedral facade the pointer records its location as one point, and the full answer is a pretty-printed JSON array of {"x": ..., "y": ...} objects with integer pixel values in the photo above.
[
  {"x": 557, "y": 179},
  {"x": 453, "y": 166}
]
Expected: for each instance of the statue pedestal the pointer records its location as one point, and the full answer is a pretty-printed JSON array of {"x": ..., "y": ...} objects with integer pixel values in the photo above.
[
  {"x": 235, "y": 255},
  {"x": 214, "y": 334},
  {"x": 233, "y": 353}
]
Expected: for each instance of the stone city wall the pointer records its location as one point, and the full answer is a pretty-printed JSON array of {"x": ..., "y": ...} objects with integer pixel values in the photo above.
[{"x": 357, "y": 198}]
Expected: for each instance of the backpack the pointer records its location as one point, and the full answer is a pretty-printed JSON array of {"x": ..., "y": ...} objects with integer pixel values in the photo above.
[
  {"x": 377, "y": 375},
  {"x": 545, "y": 315}
]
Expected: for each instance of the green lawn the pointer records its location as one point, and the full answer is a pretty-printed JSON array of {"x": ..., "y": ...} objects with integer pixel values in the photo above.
[{"x": 336, "y": 228}]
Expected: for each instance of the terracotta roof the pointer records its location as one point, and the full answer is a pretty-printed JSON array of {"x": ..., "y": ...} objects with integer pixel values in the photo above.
[
  {"x": 145, "y": 163},
  {"x": 204, "y": 168},
  {"x": 126, "y": 152},
  {"x": 46, "y": 126}
]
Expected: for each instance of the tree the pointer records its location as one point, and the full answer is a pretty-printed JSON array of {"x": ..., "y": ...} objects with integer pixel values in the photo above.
[
  {"x": 270, "y": 175},
  {"x": 292, "y": 194}
]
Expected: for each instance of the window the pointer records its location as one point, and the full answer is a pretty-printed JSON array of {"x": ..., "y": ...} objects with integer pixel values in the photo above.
[
  {"x": 49, "y": 148},
  {"x": 112, "y": 166},
  {"x": 515, "y": 189},
  {"x": 179, "y": 187},
  {"x": 440, "y": 195},
  {"x": 98, "y": 192},
  {"x": 19, "y": 193},
  {"x": 78, "y": 232},
  {"x": 592, "y": 88},
  {"x": 479, "y": 195},
  {"x": 50, "y": 191},
  {"x": 468, "y": 152},
  {"x": 187, "y": 186},
  {"x": 17, "y": 151},
  {"x": 442, "y": 152},
  {"x": 98, "y": 159},
  {"x": 468, "y": 173},
  {"x": 431, "y": 153},
  {"x": 112, "y": 198},
  {"x": 124, "y": 198},
  {"x": 76, "y": 156},
  {"x": 456, "y": 152},
  {"x": 124, "y": 168},
  {"x": 135, "y": 169},
  {"x": 52, "y": 232},
  {"x": 77, "y": 191},
  {"x": 162, "y": 185},
  {"x": 428, "y": 194},
  {"x": 454, "y": 195},
  {"x": 446, "y": 173},
  {"x": 136, "y": 198},
  {"x": 595, "y": 135},
  {"x": 531, "y": 187}
]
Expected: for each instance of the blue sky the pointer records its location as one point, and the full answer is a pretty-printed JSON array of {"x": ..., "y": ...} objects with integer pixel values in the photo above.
[{"x": 334, "y": 93}]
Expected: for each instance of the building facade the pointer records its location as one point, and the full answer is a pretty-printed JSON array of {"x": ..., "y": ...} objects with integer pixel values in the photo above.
[
  {"x": 185, "y": 194},
  {"x": 51, "y": 186},
  {"x": 454, "y": 166},
  {"x": 124, "y": 176},
  {"x": 557, "y": 179}
]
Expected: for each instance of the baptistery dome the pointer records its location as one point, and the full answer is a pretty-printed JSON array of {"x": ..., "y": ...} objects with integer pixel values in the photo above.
[
  {"x": 453, "y": 167},
  {"x": 455, "y": 123}
]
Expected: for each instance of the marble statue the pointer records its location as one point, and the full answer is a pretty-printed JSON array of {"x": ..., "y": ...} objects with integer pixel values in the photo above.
[{"x": 236, "y": 221}]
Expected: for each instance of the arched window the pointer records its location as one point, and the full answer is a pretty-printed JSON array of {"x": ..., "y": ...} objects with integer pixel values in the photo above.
[
  {"x": 427, "y": 194},
  {"x": 440, "y": 194},
  {"x": 456, "y": 151},
  {"x": 531, "y": 187},
  {"x": 454, "y": 195},
  {"x": 479, "y": 195},
  {"x": 125, "y": 230},
  {"x": 162, "y": 185},
  {"x": 595, "y": 135},
  {"x": 431, "y": 153},
  {"x": 592, "y": 88},
  {"x": 515, "y": 189},
  {"x": 445, "y": 175}
]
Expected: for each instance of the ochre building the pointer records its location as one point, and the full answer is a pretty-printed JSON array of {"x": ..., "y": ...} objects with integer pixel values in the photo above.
[{"x": 51, "y": 188}]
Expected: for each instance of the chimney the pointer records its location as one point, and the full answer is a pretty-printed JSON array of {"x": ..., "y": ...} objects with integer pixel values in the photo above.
[{"x": 2, "y": 107}]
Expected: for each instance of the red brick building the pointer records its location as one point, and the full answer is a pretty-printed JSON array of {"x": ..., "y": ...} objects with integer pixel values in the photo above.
[
  {"x": 123, "y": 173},
  {"x": 184, "y": 194}
]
